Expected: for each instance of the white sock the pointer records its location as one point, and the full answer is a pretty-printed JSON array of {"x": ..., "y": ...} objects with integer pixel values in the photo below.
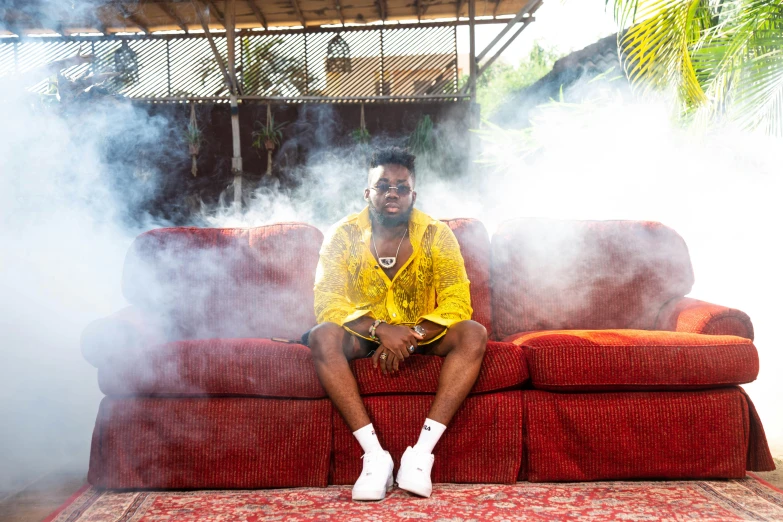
[
  {"x": 430, "y": 435},
  {"x": 367, "y": 439}
]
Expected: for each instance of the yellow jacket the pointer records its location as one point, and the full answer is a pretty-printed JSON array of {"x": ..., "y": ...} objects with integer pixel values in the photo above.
[{"x": 432, "y": 285}]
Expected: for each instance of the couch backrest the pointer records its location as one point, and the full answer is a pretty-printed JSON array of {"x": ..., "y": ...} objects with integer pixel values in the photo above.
[
  {"x": 230, "y": 282},
  {"x": 553, "y": 274},
  {"x": 475, "y": 248}
]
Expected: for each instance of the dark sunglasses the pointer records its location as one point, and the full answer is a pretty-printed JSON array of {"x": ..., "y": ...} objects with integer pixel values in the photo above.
[{"x": 384, "y": 188}]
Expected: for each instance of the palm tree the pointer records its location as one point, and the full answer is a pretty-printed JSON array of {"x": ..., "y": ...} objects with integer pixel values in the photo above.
[{"x": 723, "y": 57}]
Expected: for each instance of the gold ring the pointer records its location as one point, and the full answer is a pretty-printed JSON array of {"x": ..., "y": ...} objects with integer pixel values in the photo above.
[{"x": 383, "y": 356}]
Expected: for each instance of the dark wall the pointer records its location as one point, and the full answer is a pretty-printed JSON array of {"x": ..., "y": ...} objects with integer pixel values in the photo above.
[{"x": 309, "y": 129}]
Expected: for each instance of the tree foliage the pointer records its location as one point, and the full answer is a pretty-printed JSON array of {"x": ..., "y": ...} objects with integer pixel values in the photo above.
[
  {"x": 501, "y": 78},
  {"x": 724, "y": 58}
]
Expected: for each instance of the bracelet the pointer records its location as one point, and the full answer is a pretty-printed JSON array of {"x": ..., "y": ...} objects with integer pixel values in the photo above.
[{"x": 374, "y": 326}]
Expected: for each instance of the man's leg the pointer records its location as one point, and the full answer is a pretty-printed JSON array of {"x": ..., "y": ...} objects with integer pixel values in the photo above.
[
  {"x": 463, "y": 347},
  {"x": 332, "y": 347}
]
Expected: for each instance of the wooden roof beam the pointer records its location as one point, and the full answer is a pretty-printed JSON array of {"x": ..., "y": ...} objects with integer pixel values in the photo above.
[
  {"x": 339, "y": 9},
  {"x": 213, "y": 9},
  {"x": 418, "y": 9},
  {"x": 495, "y": 9},
  {"x": 133, "y": 18},
  {"x": 383, "y": 9},
  {"x": 460, "y": 3},
  {"x": 171, "y": 13},
  {"x": 258, "y": 14},
  {"x": 298, "y": 12}
]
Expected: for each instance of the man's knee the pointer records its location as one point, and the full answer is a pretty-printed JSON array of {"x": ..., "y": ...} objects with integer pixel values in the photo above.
[
  {"x": 326, "y": 338},
  {"x": 471, "y": 336}
]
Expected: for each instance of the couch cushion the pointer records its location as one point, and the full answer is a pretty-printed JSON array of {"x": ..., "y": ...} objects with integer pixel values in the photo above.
[
  {"x": 232, "y": 282},
  {"x": 474, "y": 245},
  {"x": 604, "y": 360},
  {"x": 265, "y": 368},
  {"x": 251, "y": 367},
  {"x": 504, "y": 367},
  {"x": 552, "y": 275}
]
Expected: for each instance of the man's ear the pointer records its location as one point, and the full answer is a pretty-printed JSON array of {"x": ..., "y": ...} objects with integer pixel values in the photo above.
[
  {"x": 367, "y": 195},
  {"x": 413, "y": 194}
]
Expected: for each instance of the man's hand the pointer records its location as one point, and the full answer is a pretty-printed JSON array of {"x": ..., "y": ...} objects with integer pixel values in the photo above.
[{"x": 395, "y": 340}]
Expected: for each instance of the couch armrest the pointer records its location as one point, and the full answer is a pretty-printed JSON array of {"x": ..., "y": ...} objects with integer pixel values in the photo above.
[
  {"x": 685, "y": 314},
  {"x": 121, "y": 333}
]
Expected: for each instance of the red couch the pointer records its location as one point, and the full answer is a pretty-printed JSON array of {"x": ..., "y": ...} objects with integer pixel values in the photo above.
[{"x": 598, "y": 368}]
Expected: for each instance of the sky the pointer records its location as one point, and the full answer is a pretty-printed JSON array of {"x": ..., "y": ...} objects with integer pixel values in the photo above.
[{"x": 567, "y": 25}]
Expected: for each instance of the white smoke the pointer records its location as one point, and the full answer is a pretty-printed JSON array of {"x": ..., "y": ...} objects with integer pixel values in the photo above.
[
  {"x": 64, "y": 201},
  {"x": 70, "y": 200},
  {"x": 629, "y": 159}
]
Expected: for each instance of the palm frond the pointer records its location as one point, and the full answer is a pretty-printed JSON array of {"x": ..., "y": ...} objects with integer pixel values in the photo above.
[
  {"x": 757, "y": 100},
  {"x": 655, "y": 50},
  {"x": 746, "y": 29}
]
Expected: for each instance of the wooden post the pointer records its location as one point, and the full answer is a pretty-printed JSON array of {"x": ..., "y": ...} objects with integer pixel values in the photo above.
[{"x": 236, "y": 161}]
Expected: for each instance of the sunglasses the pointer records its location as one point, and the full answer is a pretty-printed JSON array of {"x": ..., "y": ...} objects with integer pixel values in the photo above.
[{"x": 384, "y": 188}]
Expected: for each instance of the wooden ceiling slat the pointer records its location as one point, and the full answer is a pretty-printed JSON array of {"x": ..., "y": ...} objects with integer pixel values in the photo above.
[{"x": 116, "y": 16}]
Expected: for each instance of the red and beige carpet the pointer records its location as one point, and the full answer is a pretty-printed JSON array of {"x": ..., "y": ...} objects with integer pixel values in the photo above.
[{"x": 747, "y": 499}]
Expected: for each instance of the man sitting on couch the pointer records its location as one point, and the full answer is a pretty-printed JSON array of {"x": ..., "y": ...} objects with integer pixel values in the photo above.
[{"x": 391, "y": 282}]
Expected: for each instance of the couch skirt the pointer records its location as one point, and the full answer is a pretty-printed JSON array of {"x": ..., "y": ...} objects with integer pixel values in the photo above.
[
  {"x": 201, "y": 443},
  {"x": 483, "y": 443},
  {"x": 635, "y": 435}
]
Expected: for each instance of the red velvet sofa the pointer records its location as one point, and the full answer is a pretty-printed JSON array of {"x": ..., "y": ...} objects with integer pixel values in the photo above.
[{"x": 599, "y": 367}]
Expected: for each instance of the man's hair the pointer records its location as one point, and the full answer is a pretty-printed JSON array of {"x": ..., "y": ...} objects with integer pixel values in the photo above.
[{"x": 394, "y": 156}]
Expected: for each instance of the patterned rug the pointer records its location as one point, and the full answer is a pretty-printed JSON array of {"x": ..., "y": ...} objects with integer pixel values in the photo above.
[{"x": 747, "y": 499}]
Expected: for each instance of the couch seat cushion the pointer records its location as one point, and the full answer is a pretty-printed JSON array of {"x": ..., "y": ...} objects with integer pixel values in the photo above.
[
  {"x": 222, "y": 367},
  {"x": 504, "y": 367},
  {"x": 604, "y": 360},
  {"x": 265, "y": 368}
]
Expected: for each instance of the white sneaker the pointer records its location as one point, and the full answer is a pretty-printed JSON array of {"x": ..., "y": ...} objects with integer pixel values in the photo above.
[
  {"x": 376, "y": 478},
  {"x": 414, "y": 472}
]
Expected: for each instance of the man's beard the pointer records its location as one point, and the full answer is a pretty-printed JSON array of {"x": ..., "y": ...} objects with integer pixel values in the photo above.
[{"x": 390, "y": 221}]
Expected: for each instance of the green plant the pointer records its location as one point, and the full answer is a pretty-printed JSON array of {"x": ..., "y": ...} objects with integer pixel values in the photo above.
[
  {"x": 267, "y": 136},
  {"x": 724, "y": 58},
  {"x": 361, "y": 136},
  {"x": 502, "y": 79},
  {"x": 421, "y": 140},
  {"x": 194, "y": 137},
  {"x": 270, "y": 70}
]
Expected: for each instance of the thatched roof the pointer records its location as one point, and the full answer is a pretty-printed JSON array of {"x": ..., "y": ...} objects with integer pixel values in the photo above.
[{"x": 112, "y": 16}]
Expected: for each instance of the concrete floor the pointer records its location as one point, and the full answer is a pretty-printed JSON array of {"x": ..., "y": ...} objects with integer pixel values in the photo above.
[{"x": 39, "y": 499}]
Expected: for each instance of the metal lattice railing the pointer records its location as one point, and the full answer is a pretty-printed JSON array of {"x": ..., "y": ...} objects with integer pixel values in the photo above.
[{"x": 399, "y": 63}]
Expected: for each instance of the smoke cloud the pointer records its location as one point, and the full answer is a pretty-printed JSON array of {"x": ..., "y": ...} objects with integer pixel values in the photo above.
[{"x": 72, "y": 201}]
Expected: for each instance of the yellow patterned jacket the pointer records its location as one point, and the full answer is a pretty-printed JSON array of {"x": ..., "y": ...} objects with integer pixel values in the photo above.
[{"x": 432, "y": 285}]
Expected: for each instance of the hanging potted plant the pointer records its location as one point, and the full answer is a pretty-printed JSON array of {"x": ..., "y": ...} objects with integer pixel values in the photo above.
[
  {"x": 268, "y": 136},
  {"x": 361, "y": 135},
  {"x": 194, "y": 137}
]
